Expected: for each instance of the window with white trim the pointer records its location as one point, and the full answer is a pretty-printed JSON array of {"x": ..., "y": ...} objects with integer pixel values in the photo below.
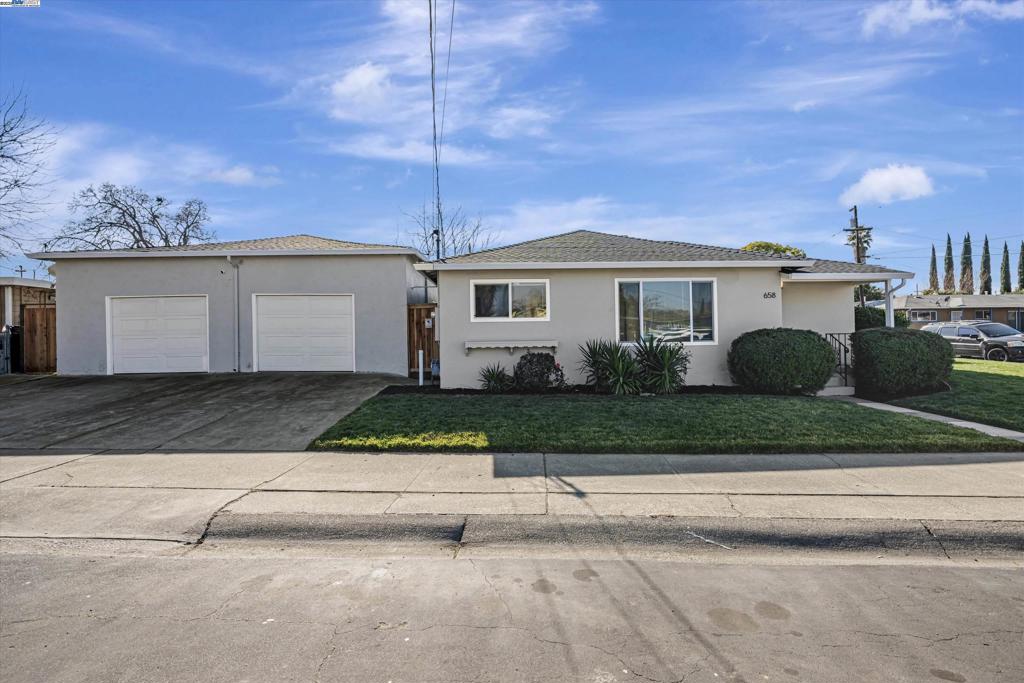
[
  {"x": 923, "y": 316},
  {"x": 983, "y": 314},
  {"x": 502, "y": 300},
  {"x": 670, "y": 310}
]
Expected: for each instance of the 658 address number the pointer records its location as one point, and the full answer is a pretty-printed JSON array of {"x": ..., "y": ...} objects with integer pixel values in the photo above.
[{"x": 769, "y": 295}]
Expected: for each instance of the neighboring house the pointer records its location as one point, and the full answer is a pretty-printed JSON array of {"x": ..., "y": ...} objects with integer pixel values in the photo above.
[
  {"x": 282, "y": 303},
  {"x": 557, "y": 292},
  {"x": 928, "y": 308},
  {"x": 16, "y": 293}
]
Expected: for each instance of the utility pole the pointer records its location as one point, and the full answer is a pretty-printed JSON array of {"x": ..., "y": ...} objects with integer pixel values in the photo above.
[
  {"x": 859, "y": 255},
  {"x": 20, "y": 270}
]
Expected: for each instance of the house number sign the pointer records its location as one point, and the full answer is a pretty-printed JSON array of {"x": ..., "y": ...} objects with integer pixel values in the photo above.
[{"x": 769, "y": 295}]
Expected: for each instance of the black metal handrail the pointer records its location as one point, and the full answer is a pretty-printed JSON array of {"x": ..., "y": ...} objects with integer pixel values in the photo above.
[{"x": 840, "y": 342}]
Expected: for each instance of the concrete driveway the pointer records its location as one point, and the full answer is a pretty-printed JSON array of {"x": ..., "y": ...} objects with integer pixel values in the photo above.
[{"x": 237, "y": 412}]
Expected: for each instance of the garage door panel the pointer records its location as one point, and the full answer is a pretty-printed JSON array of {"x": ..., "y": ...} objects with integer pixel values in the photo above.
[
  {"x": 159, "y": 334},
  {"x": 304, "y": 332}
]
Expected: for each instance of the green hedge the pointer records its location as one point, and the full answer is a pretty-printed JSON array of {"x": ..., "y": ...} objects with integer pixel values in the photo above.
[
  {"x": 889, "y": 362},
  {"x": 865, "y": 318},
  {"x": 781, "y": 361}
]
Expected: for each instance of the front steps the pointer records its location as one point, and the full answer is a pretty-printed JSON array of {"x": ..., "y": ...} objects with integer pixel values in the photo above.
[{"x": 836, "y": 387}]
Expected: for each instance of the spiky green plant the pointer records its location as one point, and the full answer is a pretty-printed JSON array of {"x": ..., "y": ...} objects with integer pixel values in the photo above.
[
  {"x": 495, "y": 379},
  {"x": 623, "y": 371},
  {"x": 594, "y": 362},
  {"x": 662, "y": 365}
]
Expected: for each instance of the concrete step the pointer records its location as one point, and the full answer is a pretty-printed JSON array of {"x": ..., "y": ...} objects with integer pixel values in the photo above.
[{"x": 837, "y": 391}]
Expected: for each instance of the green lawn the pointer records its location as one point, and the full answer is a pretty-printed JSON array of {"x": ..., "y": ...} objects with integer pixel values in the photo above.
[
  {"x": 694, "y": 423},
  {"x": 982, "y": 391}
]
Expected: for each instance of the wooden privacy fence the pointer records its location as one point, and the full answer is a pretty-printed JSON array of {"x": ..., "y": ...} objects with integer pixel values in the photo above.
[
  {"x": 39, "y": 338},
  {"x": 422, "y": 327}
]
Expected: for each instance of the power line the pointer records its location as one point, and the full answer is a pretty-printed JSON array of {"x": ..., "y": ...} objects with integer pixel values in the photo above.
[
  {"x": 431, "y": 9},
  {"x": 447, "y": 68}
]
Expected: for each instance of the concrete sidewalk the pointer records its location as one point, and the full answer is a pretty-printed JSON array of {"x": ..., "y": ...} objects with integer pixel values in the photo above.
[{"x": 175, "y": 496}]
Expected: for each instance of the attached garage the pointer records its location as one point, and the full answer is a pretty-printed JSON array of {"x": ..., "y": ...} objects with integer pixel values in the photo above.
[
  {"x": 304, "y": 332},
  {"x": 158, "y": 334},
  {"x": 281, "y": 304}
]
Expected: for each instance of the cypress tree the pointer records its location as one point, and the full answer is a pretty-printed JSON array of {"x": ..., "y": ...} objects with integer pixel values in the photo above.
[
  {"x": 933, "y": 275},
  {"x": 1004, "y": 272},
  {"x": 966, "y": 267},
  {"x": 949, "y": 276},
  {"x": 1020, "y": 268},
  {"x": 985, "y": 281}
]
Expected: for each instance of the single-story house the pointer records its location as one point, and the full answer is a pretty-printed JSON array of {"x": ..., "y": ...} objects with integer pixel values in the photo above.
[
  {"x": 17, "y": 292},
  {"x": 929, "y": 308},
  {"x": 282, "y": 303},
  {"x": 558, "y": 292}
]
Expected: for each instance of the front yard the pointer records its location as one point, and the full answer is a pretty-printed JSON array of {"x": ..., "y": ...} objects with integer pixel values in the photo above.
[
  {"x": 694, "y": 423},
  {"x": 982, "y": 390}
]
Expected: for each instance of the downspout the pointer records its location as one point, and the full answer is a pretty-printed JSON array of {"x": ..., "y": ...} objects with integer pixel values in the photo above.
[
  {"x": 890, "y": 314},
  {"x": 238, "y": 347}
]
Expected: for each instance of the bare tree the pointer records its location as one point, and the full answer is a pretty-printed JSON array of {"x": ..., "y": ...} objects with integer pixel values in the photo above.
[
  {"x": 24, "y": 141},
  {"x": 459, "y": 234},
  {"x": 113, "y": 217}
]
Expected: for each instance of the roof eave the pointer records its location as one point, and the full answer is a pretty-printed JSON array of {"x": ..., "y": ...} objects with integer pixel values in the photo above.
[
  {"x": 382, "y": 251},
  {"x": 605, "y": 265},
  {"x": 848, "y": 277}
]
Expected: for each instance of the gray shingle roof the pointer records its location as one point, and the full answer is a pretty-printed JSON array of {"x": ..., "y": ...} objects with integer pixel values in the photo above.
[
  {"x": 289, "y": 243},
  {"x": 827, "y": 266},
  {"x": 932, "y": 301},
  {"x": 582, "y": 246}
]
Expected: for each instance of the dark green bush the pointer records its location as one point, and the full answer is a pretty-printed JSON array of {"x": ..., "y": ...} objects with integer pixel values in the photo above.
[
  {"x": 623, "y": 371},
  {"x": 890, "y": 362},
  {"x": 865, "y": 318},
  {"x": 594, "y": 360},
  {"x": 781, "y": 361},
  {"x": 538, "y": 371},
  {"x": 495, "y": 378}
]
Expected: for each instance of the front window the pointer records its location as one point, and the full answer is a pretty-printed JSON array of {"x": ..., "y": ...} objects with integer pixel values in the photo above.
[
  {"x": 510, "y": 300},
  {"x": 670, "y": 310},
  {"x": 983, "y": 314},
  {"x": 923, "y": 316},
  {"x": 956, "y": 315},
  {"x": 997, "y": 330}
]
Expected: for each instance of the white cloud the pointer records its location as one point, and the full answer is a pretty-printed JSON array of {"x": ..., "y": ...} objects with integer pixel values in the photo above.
[
  {"x": 899, "y": 17},
  {"x": 895, "y": 182},
  {"x": 516, "y": 121},
  {"x": 379, "y": 146}
]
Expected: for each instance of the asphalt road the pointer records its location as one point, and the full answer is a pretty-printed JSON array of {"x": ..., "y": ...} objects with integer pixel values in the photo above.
[{"x": 148, "y": 611}]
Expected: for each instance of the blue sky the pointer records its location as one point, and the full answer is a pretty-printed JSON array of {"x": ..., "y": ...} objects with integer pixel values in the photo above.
[{"x": 708, "y": 122}]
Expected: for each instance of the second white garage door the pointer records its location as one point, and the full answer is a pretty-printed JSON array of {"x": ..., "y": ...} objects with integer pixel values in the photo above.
[{"x": 303, "y": 332}]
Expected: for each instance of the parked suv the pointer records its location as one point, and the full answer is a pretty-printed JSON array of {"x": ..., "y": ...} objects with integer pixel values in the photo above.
[{"x": 981, "y": 339}]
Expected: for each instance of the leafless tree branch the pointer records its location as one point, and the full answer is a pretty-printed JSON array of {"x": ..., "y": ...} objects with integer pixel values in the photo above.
[
  {"x": 24, "y": 142},
  {"x": 125, "y": 217},
  {"x": 459, "y": 233}
]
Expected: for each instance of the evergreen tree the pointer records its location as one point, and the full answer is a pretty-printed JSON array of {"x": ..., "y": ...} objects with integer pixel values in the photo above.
[
  {"x": 933, "y": 275},
  {"x": 966, "y": 267},
  {"x": 1020, "y": 268},
  {"x": 1004, "y": 272},
  {"x": 949, "y": 275},
  {"x": 985, "y": 280}
]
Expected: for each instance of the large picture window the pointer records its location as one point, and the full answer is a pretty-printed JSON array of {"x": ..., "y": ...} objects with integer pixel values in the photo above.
[
  {"x": 502, "y": 300},
  {"x": 924, "y": 316},
  {"x": 670, "y": 310}
]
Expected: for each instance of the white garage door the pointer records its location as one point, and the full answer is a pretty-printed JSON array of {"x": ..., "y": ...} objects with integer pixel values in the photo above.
[
  {"x": 311, "y": 332},
  {"x": 158, "y": 334}
]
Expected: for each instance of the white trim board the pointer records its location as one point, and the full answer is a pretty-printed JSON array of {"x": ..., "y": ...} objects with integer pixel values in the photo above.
[{"x": 614, "y": 265}]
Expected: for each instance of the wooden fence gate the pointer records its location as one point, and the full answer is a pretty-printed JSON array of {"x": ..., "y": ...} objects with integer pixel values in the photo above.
[
  {"x": 422, "y": 327},
  {"x": 39, "y": 338}
]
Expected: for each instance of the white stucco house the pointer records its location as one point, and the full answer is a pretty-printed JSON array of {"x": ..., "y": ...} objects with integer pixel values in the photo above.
[
  {"x": 558, "y": 292},
  {"x": 305, "y": 303},
  {"x": 283, "y": 303}
]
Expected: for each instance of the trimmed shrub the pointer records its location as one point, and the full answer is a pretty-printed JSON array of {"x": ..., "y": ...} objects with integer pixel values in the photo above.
[
  {"x": 495, "y": 379},
  {"x": 889, "y": 362},
  {"x": 781, "y": 361},
  {"x": 865, "y": 318},
  {"x": 538, "y": 371},
  {"x": 663, "y": 365}
]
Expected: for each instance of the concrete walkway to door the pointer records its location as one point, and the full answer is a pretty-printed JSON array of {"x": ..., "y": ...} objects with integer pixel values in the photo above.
[{"x": 233, "y": 412}]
